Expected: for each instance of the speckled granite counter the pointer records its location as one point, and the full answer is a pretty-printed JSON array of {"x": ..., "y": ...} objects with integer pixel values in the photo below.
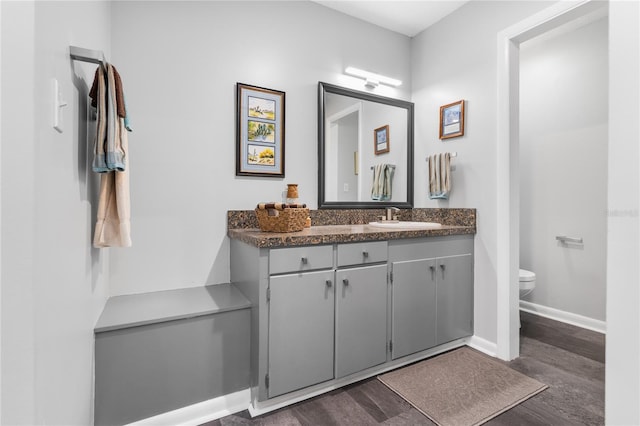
[{"x": 343, "y": 226}]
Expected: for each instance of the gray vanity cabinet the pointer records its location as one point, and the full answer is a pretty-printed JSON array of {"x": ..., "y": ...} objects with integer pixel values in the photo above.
[
  {"x": 432, "y": 292},
  {"x": 361, "y": 318},
  {"x": 454, "y": 297},
  {"x": 325, "y": 313},
  {"x": 301, "y": 323},
  {"x": 413, "y": 306}
]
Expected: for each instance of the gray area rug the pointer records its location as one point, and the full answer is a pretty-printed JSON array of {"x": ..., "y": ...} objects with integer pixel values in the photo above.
[{"x": 461, "y": 388}]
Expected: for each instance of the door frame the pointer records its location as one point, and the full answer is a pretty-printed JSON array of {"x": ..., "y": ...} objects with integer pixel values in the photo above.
[{"x": 507, "y": 157}]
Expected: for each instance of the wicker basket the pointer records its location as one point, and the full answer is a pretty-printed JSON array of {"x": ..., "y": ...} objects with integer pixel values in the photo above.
[{"x": 287, "y": 220}]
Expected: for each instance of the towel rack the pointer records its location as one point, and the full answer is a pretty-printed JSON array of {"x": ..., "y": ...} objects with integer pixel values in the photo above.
[
  {"x": 451, "y": 154},
  {"x": 391, "y": 165},
  {"x": 569, "y": 240},
  {"x": 87, "y": 55}
]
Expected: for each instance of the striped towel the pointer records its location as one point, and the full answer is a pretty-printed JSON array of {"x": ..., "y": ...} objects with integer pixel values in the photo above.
[
  {"x": 439, "y": 176},
  {"x": 382, "y": 182},
  {"x": 113, "y": 223}
]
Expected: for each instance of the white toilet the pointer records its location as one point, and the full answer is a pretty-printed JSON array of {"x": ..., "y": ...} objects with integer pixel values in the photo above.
[{"x": 527, "y": 282}]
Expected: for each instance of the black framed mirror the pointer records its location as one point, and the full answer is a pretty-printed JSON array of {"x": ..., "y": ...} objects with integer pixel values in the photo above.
[{"x": 362, "y": 136}]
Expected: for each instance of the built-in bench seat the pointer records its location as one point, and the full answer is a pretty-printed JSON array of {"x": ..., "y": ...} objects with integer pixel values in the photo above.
[{"x": 161, "y": 351}]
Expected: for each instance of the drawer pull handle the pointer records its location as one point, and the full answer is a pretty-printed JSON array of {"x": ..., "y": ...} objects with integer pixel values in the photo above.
[
  {"x": 365, "y": 254},
  {"x": 345, "y": 281},
  {"x": 304, "y": 260},
  {"x": 329, "y": 283},
  {"x": 442, "y": 268}
]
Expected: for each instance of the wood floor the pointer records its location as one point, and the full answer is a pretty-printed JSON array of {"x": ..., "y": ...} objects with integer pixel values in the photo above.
[{"x": 568, "y": 359}]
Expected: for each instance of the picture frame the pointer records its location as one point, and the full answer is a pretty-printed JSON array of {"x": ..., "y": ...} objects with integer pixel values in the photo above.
[
  {"x": 452, "y": 120},
  {"x": 260, "y": 131},
  {"x": 381, "y": 140}
]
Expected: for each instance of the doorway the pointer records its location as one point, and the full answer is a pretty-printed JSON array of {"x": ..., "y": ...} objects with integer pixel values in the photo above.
[
  {"x": 563, "y": 142},
  {"x": 508, "y": 171}
]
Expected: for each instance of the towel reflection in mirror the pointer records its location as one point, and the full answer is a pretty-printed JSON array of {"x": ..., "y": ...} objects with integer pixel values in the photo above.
[{"x": 382, "y": 185}]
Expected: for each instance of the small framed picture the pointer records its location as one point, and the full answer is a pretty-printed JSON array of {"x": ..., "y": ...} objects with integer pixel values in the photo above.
[
  {"x": 452, "y": 120},
  {"x": 259, "y": 131},
  {"x": 381, "y": 140}
]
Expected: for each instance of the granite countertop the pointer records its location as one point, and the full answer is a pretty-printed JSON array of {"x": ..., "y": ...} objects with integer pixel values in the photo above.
[{"x": 330, "y": 234}]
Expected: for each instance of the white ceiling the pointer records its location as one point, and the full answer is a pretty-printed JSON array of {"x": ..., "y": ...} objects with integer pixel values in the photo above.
[{"x": 408, "y": 17}]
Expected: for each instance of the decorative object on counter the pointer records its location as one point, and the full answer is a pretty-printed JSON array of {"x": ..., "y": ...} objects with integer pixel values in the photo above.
[
  {"x": 307, "y": 223},
  {"x": 282, "y": 217},
  {"x": 439, "y": 176},
  {"x": 382, "y": 182},
  {"x": 452, "y": 120},
  {"x": 259, "y": 131},
  {"x": 292, "y": 193},
  {"x": 381, "y": 140}
]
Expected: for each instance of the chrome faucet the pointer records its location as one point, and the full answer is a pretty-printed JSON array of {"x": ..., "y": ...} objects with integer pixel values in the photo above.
[{"x": 392, "y": 213}]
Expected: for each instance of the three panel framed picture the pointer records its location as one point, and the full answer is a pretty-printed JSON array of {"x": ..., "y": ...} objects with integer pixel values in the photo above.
[{"x": 259, "y": 131}]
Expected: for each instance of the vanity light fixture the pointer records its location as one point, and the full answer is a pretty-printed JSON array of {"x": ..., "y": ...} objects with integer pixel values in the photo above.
[{"x": 371, "y": 79}]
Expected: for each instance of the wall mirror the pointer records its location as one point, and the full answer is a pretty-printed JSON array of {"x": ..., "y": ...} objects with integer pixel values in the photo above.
[{"x": 358, "y": 131}]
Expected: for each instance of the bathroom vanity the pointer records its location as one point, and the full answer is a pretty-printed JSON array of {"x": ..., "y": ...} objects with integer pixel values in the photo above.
[{"x": 337, "y": 303}]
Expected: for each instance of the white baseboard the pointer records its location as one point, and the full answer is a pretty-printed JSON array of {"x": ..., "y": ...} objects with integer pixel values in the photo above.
[
  {"x": 201, "y": 412},
  {"x": 563, "y": 316},
  {"x": 483, "y": 345}
]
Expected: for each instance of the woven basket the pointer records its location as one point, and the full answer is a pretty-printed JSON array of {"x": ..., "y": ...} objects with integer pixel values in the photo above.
[{"x": 287, "y": 220}]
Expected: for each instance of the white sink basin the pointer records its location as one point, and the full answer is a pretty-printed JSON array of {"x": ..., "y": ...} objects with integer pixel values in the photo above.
[{"x": 392, "y": 224}]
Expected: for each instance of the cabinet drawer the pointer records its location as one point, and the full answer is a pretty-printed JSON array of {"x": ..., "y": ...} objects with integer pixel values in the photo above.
[
  {"x": 362, "y": 253},
  {"x": 300, "y": 259}
]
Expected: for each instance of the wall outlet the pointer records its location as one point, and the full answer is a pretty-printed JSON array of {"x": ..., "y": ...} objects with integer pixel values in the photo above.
[{"x": 345, "y": 187}]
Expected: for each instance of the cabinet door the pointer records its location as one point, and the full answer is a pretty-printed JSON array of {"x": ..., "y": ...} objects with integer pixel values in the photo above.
[
  {"x": 455, "y": 297},
  {"x": 301, "y": 312},
  {"x": 413, "y": 306},
  {"x": 361, "y": 318}
]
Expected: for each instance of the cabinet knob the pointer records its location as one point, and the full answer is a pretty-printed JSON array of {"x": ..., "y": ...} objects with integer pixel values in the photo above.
[
  {"x": 329, "y": 283},
  {"x": 442, "y": 269},
  {"x": 365, "y": 254},
  {"x": 345, "y": 281},
  {"x": 303, "y": 260}
]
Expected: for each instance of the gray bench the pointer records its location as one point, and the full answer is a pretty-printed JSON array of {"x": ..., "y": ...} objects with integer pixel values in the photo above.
[{"x": 157, "y": 352}]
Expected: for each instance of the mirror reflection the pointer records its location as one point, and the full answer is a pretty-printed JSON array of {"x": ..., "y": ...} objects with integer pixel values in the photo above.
[{"x": 365, "y": 149}]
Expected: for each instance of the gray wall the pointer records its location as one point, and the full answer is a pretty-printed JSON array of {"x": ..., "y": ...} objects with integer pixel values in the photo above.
[
  {"x": 452, "y": 60},
  {"x": 622, "y": 391},
  {"x": 53, "y": 284},
  {"x": 563, "y": 167},
  {"x": 180, "y": 62}
]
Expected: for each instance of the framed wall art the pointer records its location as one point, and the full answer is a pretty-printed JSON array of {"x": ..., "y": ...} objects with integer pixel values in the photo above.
[
  {"x": 452, "y": 120},
  {"x": 381, "y": 140},
  {"x": 259, "y": 131}
]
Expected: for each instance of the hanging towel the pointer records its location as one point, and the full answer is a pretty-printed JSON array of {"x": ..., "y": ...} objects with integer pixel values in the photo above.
[
  {"x": 113, "y": 226},
  {"x": 439, "y": 176},
  {"x": 120, "y": 100},
  {"x": 382, "y": 182}
]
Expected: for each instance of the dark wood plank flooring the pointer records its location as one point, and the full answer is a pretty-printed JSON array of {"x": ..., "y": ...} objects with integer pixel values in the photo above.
[{"x": 568, "y": 359}]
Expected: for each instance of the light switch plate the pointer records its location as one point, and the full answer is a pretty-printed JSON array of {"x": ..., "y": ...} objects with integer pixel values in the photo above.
[{"x": 58, "y": 104}]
